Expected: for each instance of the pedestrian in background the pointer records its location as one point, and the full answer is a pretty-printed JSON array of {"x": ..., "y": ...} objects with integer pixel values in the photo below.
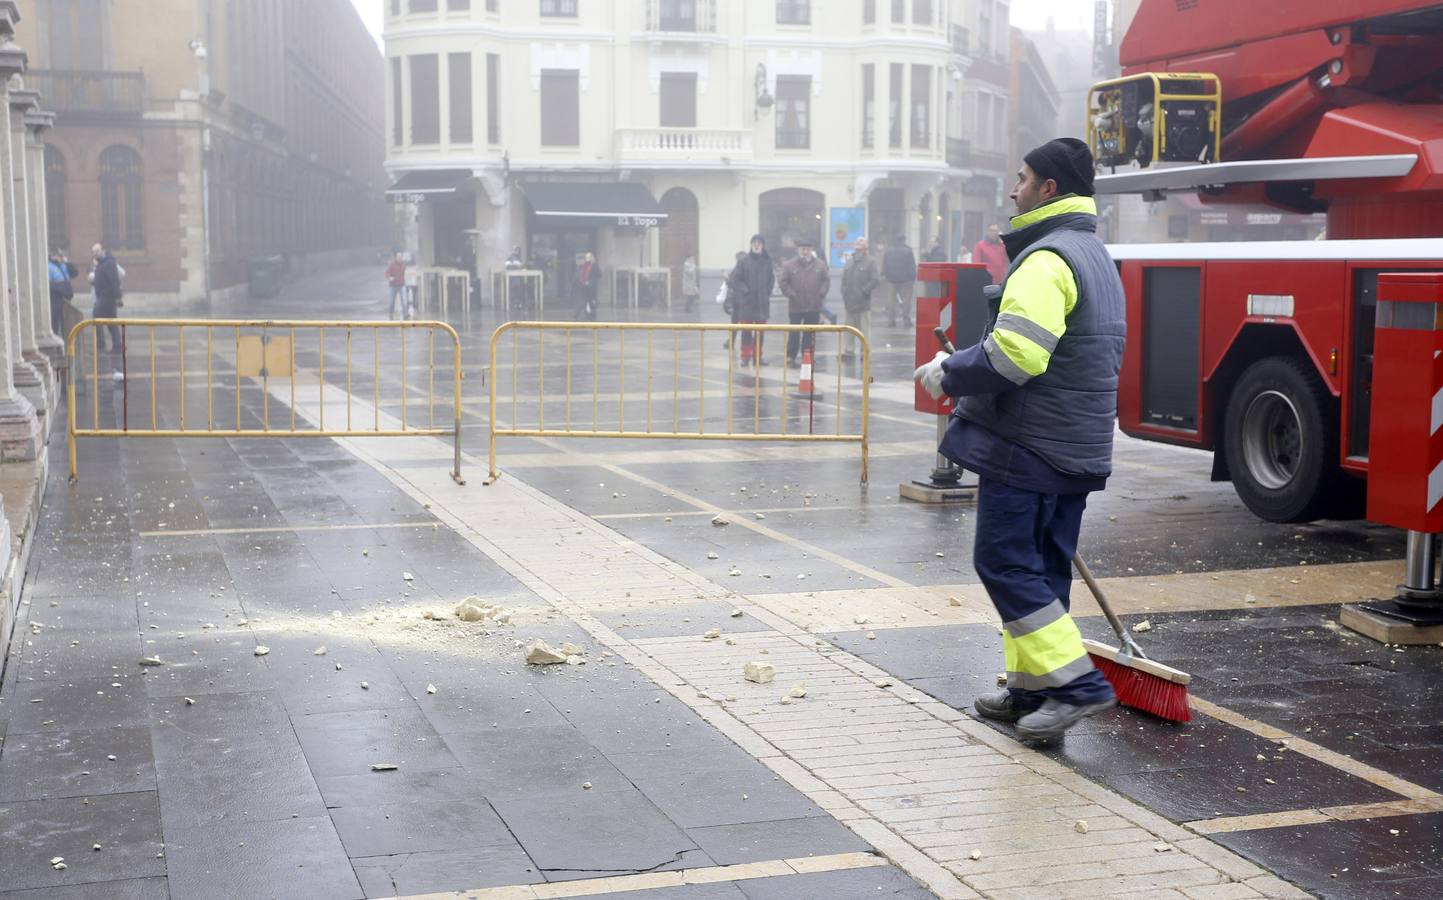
[
  {"x": 991, "y": 253},
  {"x": 585, "y": 288},
  {"x": 751, "y": 283},
  {"x": 690, "y": 284},
  {"x": 804, "y": 282},
  {"x": 899, "y": 270},
  {"x": 61, "y": 289},
  {"x": 859, "y": 280},
  {"x": 935, "y": 253},
  {"x": 106, "y": 277},
  {"x": 396, "y": 278}
]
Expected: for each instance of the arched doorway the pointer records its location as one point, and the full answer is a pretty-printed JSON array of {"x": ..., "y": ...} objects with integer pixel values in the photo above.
[
  {"x": 680, "y": 237},
  {"x": 885, "y": 216},
  {"x": 787, "y": 215}
]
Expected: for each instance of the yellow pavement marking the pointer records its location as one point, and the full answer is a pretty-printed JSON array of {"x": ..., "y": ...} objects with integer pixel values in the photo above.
[
  {"x": 652, "y": 880},
  {"x": 767, "y": 510},
  {"x": 284, "y": 529},
  {"x": 1293, "y": 817},
  {"x": 1304, "y": 747}
]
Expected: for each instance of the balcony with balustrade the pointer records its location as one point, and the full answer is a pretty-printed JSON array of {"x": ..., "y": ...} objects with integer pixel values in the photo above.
[
  {"x": 683, "y": 147},
  {"x": 685, "y": 21},
  {"x": 962, "y": 155},
  {"x": 81, "y": 95}
]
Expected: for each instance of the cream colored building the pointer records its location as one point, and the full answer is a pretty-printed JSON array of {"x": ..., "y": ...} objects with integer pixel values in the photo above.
[{"x": 651, "y": 130}]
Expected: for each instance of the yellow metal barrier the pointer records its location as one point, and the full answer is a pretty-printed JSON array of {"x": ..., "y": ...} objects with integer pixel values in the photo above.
[
  {"x": 248, "y": 351},
  {"x": 680, "y": 340}
]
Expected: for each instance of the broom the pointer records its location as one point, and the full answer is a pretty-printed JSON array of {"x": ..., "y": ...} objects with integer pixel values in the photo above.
[{"x": 1138, "y": 682}]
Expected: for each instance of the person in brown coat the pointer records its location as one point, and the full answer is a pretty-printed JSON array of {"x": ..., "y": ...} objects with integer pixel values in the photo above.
[
  {"x": 804, "y": 282},
  {"x": 859, "y": 280}
]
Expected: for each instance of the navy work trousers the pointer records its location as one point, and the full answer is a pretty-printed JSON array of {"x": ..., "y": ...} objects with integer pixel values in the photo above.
[{"x": 1023, "y": 554}]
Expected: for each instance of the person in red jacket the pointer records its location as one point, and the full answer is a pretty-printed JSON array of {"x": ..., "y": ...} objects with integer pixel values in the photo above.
[
  {"x": 396, "y": 278},
  {"x": 990, "y": 253}
]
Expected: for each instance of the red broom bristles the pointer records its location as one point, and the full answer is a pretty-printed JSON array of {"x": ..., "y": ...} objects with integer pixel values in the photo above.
[{"x": 1145, "y": 691}]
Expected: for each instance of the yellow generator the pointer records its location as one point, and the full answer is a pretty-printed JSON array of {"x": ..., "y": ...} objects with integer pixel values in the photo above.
[{"x": 1155, "y": 117}]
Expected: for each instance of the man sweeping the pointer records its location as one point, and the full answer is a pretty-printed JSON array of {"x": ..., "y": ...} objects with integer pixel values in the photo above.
[{"x": 1036, "y": 403}]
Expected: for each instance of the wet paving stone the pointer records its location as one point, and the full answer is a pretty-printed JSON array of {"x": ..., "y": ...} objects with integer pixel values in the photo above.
[
  {"x": 291, "y": 858},
  {"x": 348, "y": 743},
  {"x": 852, "y": 884},
  {"x": 783, "y": 839},
  {"x": 116, "y": 701},
  {"x": 127, "y": 826},
  {"x": 129, "y": 889},
  {"x": 52, "y": 764},
  {"x": 441, "y": 870}
]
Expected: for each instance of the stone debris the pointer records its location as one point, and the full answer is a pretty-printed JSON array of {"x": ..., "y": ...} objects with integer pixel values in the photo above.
[
  {"x": 871, "y": 635},
  {"x": 975, "y": 855},
  {"x": 576, "y": 660},
  {"x": 94, "y": 846},
  {"x": 711, "y": 554},
  {"x": 731, "y": 642},
  {"x": 586, "y": 785},
  {"x": 432, "y": 615},
  {"x": 262, "y": 650},
  {"x": 953, "y": 601},
  {"x": 365, "y": 685},
  {"x": 58, "y": 864},
  {"x": 734, "y": 572},
  {"x": 1001, "y": 678},
  {"x": 883, "y": 684},
  {"x": 1144, "y": 625},
  {"x": 720, "y": 520},
  {"x": 430, "y": 689},
  {"x": 860, "y": 620},
  {"x": 759, "y": 672},
  {"x": 712, "y": 635},
  {"x": 940, "y": 554},
  {"x": 151, "y": 661},
  {"x": 539, "y": 653},
  {"x": 1162, "y": 848},
  {"x": 338, "y": 667},
  {"x": 474, "y": 609},
  {"x": 190, "y": 701},
  {"x": 384, "y": 767},
  {"x": 737, "y": 614},
  {"x": 407, "y": 576},
  {"x": 798, "y": 691},
  {"x": 571, "y": 649},
  {"x": 1080, "y": 826},
  {"x": 319, "y": 651}
]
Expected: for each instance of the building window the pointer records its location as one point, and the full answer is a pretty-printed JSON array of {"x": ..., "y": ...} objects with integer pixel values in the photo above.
[
  {"x": 869, "y": 105},
  {"x": 122, "y": 183},
  {"x": 492, "y": 5},
  {"x": 560, "y": 108},
  {"x": 55, "y": 198},
  {"x": 894, "y": 105},
  {"x": 76, "y": 28},
  {"x": 984, "y": 29},
  {"x": 899, "y": 11},
  {"x": 423, "y": 6},
  {"x": 425, "y": 100},
  {"x": 794, "y": 12},
  {"x": 921, "y": 106},
  {"x": 398, "y": 128},
  {"x": 794, "y": 99},
  {"x": 677, "y": 15},
  {"x": 493, "y": 98},
  {"x": 459, "y": 5},
  {"x": 869, "y": 12},
  {"x": 559, "y": 8},
  {"x": 459, "y": 71},
  {"x": 395, "y": 7},
  {"x": 922, "y": 12},
  {"x": 678, "y": 99}
]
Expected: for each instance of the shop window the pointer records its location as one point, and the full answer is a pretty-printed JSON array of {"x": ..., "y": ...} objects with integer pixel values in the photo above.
[
  {"x": 459, "y": 66},
  {"x": 678, "y": 99},
  {"x": 122, "y": 184},
  {"x": 794, "y": 98},
  {"x": 560, "y": 108},
  {"x": 425, "y": 100},
  {"x": 787, "y": 215}
]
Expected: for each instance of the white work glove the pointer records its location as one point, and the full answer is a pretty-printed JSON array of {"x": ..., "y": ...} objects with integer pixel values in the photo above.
[{"x": 929, "y": 375}]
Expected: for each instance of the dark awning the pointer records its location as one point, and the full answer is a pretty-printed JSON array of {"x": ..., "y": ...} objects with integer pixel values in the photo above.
[
  {"x": 599, "y": 203},
  {"x": 429, "y": 181}
]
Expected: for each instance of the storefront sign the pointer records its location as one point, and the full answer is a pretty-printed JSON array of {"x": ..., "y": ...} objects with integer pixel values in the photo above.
[
  {"x": 637, "y": 221},
  {"x": 848, "y": 224},
  {"x": 399, "y": 198}
]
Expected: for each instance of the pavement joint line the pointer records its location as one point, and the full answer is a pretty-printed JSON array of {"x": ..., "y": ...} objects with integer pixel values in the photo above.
[
  {"x": 1304, "y": 747},
  {"x": 673, "y": 673},
  {"x": 837, "y": 862},
  {"x": 282, "y": 529}
]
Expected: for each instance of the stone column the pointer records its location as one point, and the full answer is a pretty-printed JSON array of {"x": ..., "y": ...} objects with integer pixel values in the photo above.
[
  {"x": 20, "y": 434},
  {"x": 29, "y": 364},
  {"x": 50, "y": 343}
]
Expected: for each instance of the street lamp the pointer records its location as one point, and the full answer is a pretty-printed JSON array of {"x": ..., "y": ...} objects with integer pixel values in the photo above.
[{"x": 764, "y": 97}]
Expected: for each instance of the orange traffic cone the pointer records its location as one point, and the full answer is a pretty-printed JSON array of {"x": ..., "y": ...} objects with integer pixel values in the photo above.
[{"x": 806, "y": 386}]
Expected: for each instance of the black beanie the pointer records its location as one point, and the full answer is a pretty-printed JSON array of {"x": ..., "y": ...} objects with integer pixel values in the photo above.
[{"x": 1066, "y": 161}]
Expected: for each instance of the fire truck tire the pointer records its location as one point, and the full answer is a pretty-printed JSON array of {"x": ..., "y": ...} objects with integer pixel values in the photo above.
[{"x": 1281, "y": 440}]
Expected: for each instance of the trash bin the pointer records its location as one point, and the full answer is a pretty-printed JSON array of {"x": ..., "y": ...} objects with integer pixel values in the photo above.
[{"x": 264, "y": 276}]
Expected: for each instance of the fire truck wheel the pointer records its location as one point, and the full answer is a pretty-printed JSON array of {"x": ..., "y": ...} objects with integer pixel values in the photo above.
[{"x": 1281, "y": 440}]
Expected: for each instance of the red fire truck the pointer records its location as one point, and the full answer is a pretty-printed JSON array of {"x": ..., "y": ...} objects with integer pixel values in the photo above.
[{"x": 1263, "y": 352}]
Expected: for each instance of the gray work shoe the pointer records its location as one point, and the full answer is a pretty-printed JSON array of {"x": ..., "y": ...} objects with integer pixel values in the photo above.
[
  {"x": 1054, "y": 718},
  {"x": 998, "y": 707}
]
